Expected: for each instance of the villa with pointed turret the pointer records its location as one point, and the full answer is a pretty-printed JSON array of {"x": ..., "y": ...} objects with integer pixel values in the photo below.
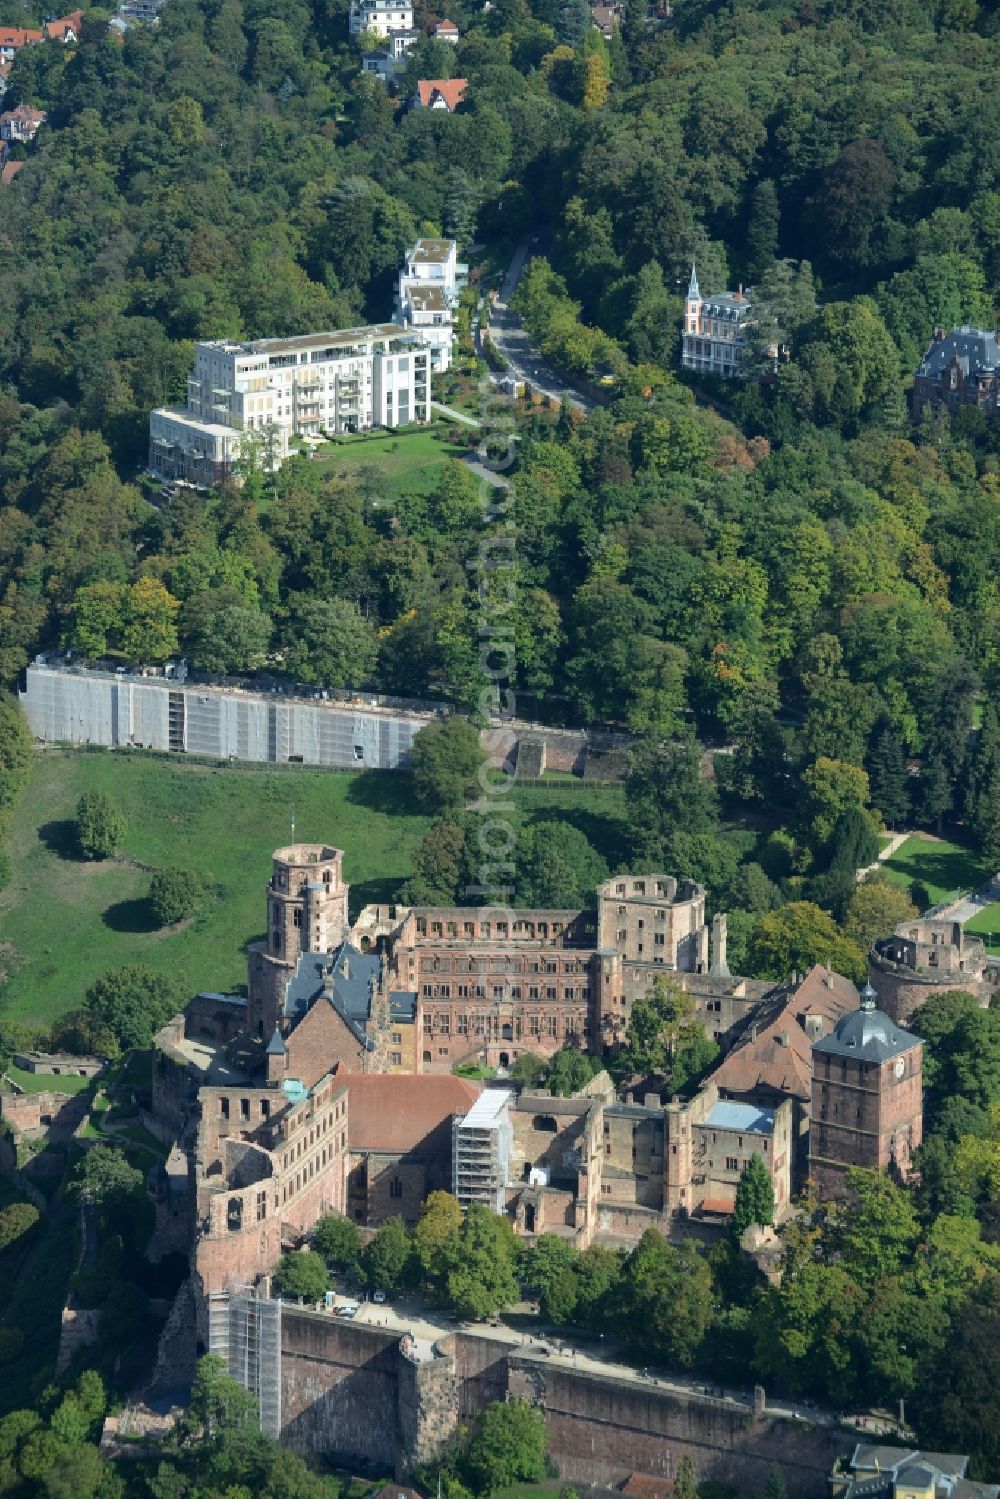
[{"x": 714, "y": 333}]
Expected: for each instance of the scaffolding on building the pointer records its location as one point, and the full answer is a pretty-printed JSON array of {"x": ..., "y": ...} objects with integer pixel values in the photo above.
[{"x": 244, "y": 1330}]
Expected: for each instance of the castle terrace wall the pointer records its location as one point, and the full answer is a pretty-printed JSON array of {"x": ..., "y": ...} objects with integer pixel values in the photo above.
[
  {"x": 481, "y": 1369},
  {"x": 602, "y": 1428},
  {"x": 339, "y": 1388},
  {"x": 346, "y": 1393}
]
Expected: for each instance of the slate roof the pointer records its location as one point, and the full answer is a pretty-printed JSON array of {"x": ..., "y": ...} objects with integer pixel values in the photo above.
[
  {"x": 868, "y": 1034},
  {"x": 976, "y": 349},
  {"x": 346, "y": 980},
  {"x": 403, "y": 1004},
  {"x": 876, "y": 1456},
  {"x": 276, "y": 1047}
]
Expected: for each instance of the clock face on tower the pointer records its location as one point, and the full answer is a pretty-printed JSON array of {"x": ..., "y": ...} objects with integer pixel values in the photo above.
[{"x": 900, "y": 1067}]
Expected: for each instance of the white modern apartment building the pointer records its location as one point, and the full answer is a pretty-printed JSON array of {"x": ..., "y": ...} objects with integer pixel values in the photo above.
[
  {"x": 429, "y": 286},
  {"x": 381, "y": 17},
  {"x": 714, "y": 331},
  {"x": 276, "y": 388}
]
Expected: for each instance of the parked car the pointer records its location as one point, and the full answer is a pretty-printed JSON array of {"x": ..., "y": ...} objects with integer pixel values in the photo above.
[
  {"x": 350, "y": 1310},
  {"x": 379, "y": 1298}
]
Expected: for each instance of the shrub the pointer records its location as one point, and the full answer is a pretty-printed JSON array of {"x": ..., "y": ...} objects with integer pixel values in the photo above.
[
  {"x": 15, "y": 1221},
  {"x": 174, "y": 895},
  {"x": 100, "y": 826}
]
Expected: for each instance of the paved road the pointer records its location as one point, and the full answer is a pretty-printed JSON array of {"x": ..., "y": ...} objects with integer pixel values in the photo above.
[
  {"x": 885, "y": 853},
  {"x": 512, "y": 342},
  {"x": 489, "y": 475},
  {"x": 970, "y": 905}
]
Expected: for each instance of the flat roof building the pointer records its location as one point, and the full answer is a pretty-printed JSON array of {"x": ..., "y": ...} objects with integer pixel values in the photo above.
[{"x": 262, "y": 392}]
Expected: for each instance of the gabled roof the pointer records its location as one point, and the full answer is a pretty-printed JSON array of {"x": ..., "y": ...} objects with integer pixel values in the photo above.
[
  {"x": 18, "y": 36},
  {"x": 772, "y": 1050},
  {"x": 25, "y": 112},
  {"x": 394, "y": 1113},
  {"x": 72, "y": 23},
  {"x": 345, "y": 979},
  {"x": 450, "y": 90}
]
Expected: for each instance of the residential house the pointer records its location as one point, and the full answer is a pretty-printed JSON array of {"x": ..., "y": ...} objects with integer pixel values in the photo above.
[
  {"x": 961, "y": 368},
  {"x": 13, "y": 38},
  {"x": 878, "y": 1471},
  {"x": 439, "y": 93},
  {"x": 389, "y": 61},
  {"x": 430, "y": 284},
  {"x": 271, "y": 389},
  {"x": 66, "y": 29},
  {"x": 446, "y": 31},
  {"x": 606, "y": 18},
  {"x": 21, "y": 125},
  {"x": 380, "y": 17},
  {"x": 713, "y": 341}
]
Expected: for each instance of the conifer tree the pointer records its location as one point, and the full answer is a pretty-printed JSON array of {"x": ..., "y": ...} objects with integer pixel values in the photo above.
[
  {"x": 887, "y": 776},
  {"x": 754, "y": 1198}
]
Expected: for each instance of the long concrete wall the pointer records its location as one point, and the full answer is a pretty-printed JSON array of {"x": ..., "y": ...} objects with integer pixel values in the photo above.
[
  {"x": 349, "y": 1391},
  {"x": 92, "y": 707}
]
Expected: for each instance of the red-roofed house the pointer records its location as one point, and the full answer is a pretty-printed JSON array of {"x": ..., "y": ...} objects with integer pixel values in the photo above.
[
  {"x": 66, "y": 28},
  {"x": 439, "y": 93},
  {"x": 446, "y": 31},
  {"x": 21, "y": 124},
  {"x": 13, "y": 38},
  {"x": 10, "y": 171}
]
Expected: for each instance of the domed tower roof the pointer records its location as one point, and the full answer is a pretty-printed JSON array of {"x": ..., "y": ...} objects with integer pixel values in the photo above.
[{"x": 867, "y": 1032}]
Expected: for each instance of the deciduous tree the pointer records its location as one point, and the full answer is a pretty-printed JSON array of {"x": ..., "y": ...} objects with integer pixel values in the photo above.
[{"x": 100, "y": 826}]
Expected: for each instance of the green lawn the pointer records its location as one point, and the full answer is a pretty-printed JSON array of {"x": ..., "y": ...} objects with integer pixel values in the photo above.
[
  {"x": 63, "y": 922},
  {"x": 986, "y": 924},
  {"x": 946, "y": 869},
  {"x": 410, "y": 462},
  {"x": 37, "y": 1082}
]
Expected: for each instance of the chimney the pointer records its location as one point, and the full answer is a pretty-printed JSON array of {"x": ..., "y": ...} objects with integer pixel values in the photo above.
[{"x": 719, "y": 968}]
